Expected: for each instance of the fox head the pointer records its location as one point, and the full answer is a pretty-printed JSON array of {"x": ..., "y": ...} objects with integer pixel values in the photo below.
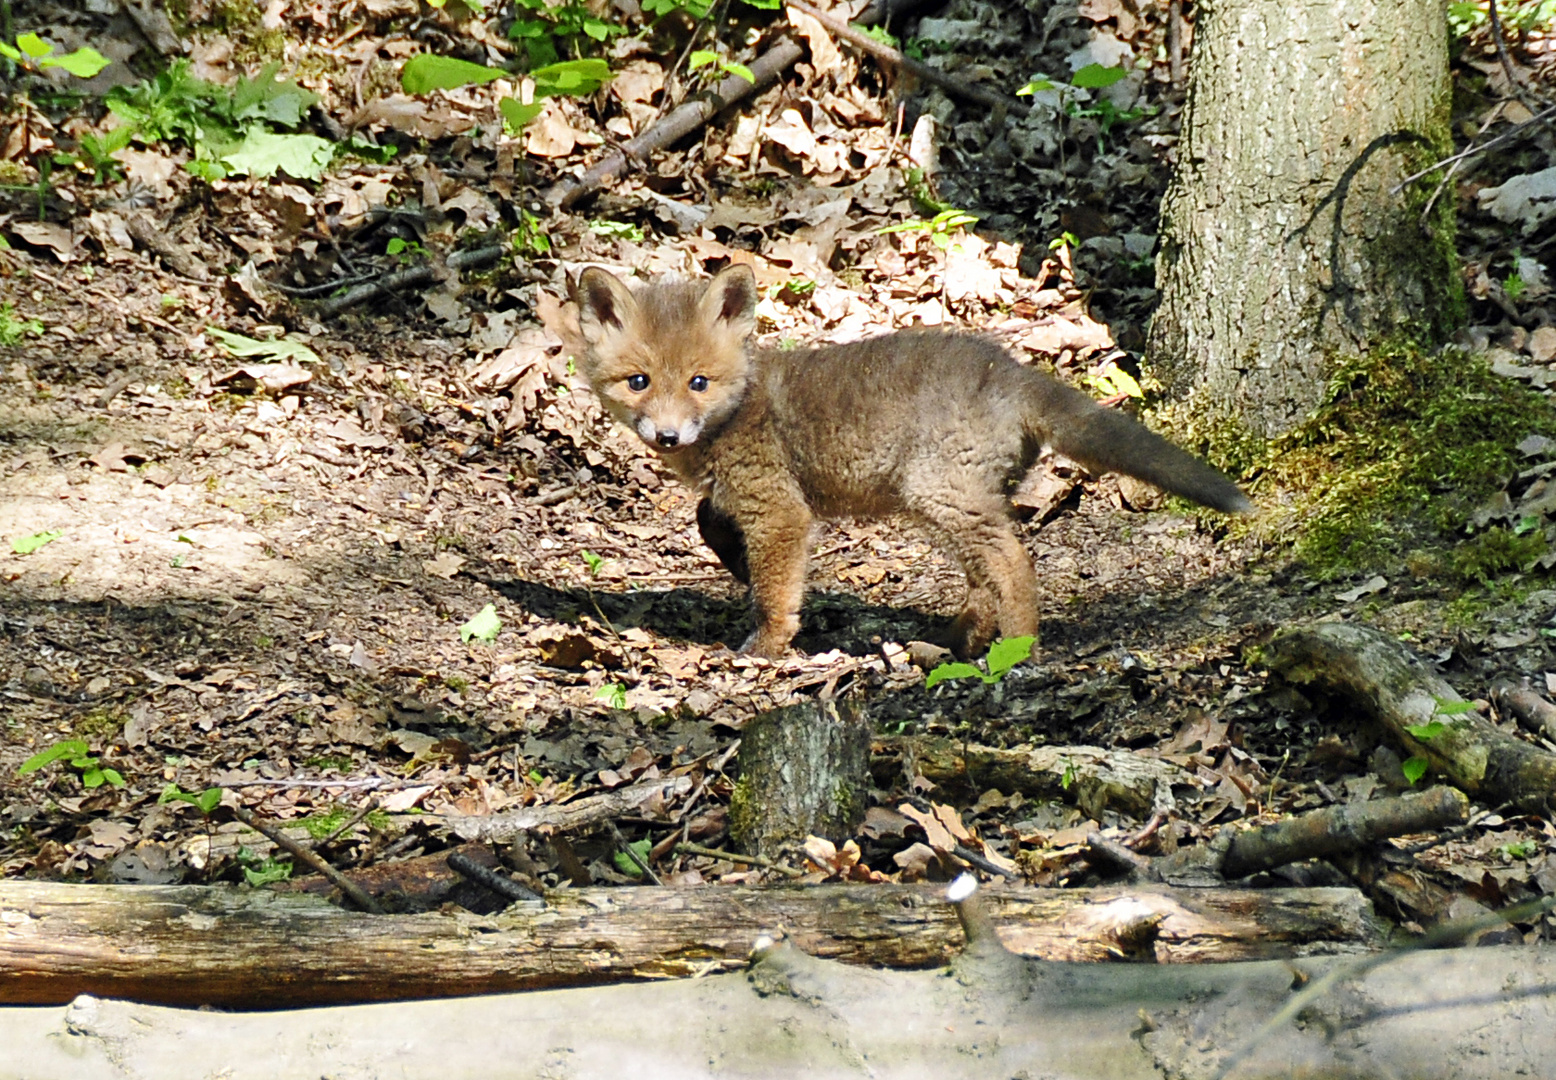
[{"x": 669, "y": 361}]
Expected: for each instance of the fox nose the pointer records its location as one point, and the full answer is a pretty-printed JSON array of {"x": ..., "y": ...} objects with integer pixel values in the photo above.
[{"x": 668, "y": 437}]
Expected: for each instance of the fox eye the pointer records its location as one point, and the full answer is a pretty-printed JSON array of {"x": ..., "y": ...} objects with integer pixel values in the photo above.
[
  {"x": 637, "y": 383},
  {"x": 698, "y": 384}
]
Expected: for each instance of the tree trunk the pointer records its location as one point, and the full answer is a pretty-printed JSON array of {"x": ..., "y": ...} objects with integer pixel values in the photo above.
[
  {"x": 192, "y": 945},
  {"x": 1463, "y": 1014},
  {"x": 1283, "y": 246}
]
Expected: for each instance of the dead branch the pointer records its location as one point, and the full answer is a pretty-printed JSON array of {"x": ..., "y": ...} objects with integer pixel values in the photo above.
[
  {"x": 589, "y": 810},
  {"x": 1392, "y": 684},
  {"x": 195, "y": 945},
  {"x": 1533, "y": 713},
  {"x": 681, "y": 121},
  {"x": 920, "y": 71}
]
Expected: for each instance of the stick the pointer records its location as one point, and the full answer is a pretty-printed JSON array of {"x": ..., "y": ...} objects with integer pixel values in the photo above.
[
  {"x": 312, "y": 861},
  {"x": 682, "y": 120}
]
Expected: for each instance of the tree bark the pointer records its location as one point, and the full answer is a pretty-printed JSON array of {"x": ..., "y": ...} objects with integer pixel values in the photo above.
[
  {"x": 804, "y": 771},
  {"x": 193, "y": 945},
  {"x": 1464, "y": 1014},
  {"x": 1283, "y": 245}
]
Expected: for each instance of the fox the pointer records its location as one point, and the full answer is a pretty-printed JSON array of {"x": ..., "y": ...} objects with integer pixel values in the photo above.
[{"x": 933, "y": 425}]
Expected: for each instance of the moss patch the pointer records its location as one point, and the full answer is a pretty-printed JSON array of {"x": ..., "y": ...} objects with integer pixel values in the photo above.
[{"x": 1403, "y": 448}]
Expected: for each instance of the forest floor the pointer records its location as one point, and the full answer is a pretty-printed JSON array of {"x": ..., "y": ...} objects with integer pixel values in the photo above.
[{"x": 260, "y": 575}]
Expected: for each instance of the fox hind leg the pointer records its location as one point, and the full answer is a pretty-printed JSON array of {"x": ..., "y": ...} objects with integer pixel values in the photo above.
[{"x": 1001, "y": 584}]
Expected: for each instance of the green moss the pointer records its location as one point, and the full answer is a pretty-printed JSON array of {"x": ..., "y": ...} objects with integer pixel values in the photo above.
[
  {"x": 1403, "y": 446},
  {"x": 742, "y": 816},
  {"x": 100, "y": 724}
]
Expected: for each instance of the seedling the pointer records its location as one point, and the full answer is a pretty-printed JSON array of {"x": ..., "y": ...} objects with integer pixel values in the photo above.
[
  {"x": 703, "y": 57},
  {"x": 94, "y": 773},
  {"x": 613, "y": 694},
  {"x": 1004, "y": 654},
  {"x": 13, "y": 329},
  {"x": 31, "y": 52},
  {"x": 206, "y": 801}
]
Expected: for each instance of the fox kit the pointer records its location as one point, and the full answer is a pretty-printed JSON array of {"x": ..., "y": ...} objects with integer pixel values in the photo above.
[{"x": 932, "y": 425}]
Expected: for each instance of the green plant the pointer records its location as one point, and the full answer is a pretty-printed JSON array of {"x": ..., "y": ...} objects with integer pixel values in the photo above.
[
  {"x": 941, "y": 228},
  {"x": 258, "y": 871},
  {"x": 31, "y": 52},
  {"x": 617, "y": 230},
  {"x": 79, "y": 756},
  {"x": 13, "y": 329},
  {"x": 424, "y": 73},
  {"x": 1104, "y": 112},
  {"x": 404, "y": 250},
  {"x": 549, "y": 31},
  {"x": 703, "y": 57},
  {"x": 530, "y": 239},
  {"x": 230, "y": 129},
  {"x": 633, "y": 868},
  {"x": 206, "y": 801},
  {"x": 1004, "y": 654},
  {"x": 613, "y": 694}
]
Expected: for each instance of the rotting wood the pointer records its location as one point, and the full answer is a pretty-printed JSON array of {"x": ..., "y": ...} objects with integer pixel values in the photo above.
[
  {"x": 1392, "y": 684},
  {"x": 589, "y": 810},
  {"x": 196, "y": 945},
  {"x": 1346, "y": 827},
  {"x": 1533, "y": 713},
  {"x": 803, "y": 772},
  {"x": 1091, "y": 777}
]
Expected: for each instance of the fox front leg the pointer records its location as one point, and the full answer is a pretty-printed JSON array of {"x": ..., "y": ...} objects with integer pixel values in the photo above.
[{"x": 777, "y": 544}]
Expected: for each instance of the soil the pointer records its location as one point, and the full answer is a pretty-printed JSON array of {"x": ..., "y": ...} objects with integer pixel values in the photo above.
[{"x": 262, "y": 590}]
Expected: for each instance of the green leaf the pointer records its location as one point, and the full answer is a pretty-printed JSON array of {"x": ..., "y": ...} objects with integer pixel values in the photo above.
[
  {"x": 1449, "y": 707},
  {"x": 625, "y": 864},
  {"x": 247, "y": 348},
  {"x": 952, "y": 671},
  {"x": 594, "y": 562},
  {"x": 10, "y": 52},
  {"x": 267, "y": 872},
  {"x": 1426, "y": 732},
  {"x": 1036, "y": 86},
  {"x": 1414, "y": 768},
  {"x": 1008, "y": 652},
  {"x": 483, "y": 626},
  {"x": 263, "y": 153},
  {"x": 570, "y": 77},
  {"x": 1096, "y": 77},
  {"x": 1115, "y": 380},
  {"x": 65, "y": 749},
  {"x": 280, "y": 101},
  {"x": 701, "y": 58},
  {"x": 34, "y": 46},
  {"x": 516, "y": 114},
  {"x": 740, "y": 69},
  {"x": 83, "y": 63},
  {"x": 28, "y": 544},
  {"x": 425, "y": 73},
  {"x": 613, "y": 694}
]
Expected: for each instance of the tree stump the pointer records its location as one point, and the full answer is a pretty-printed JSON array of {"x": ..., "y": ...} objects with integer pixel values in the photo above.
[{"x": 804, "y": 771}]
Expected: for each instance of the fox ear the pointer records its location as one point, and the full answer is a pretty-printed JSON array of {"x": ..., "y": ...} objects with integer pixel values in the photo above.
[
  {"x": 604, "y": 303},
  {"x": 731, "y": 299}
]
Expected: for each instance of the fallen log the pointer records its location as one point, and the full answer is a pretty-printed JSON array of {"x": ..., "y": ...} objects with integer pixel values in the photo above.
[
  {"x": 1466, "y": 1014},
  {"x": 197, "y": 945},
  {"x": 1388, "y": 680}
]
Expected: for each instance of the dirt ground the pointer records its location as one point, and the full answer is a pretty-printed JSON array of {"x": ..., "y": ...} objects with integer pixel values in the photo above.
[{"x": 261, "y": 588}]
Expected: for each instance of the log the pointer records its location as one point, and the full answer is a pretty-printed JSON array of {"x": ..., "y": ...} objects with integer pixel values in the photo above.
[
  {"x": 1388, "y": 680},
  {"x": 1462, "y": 1014},
  {"x": 1093, "y": 778},
  {"x": 223, "y": 946}
]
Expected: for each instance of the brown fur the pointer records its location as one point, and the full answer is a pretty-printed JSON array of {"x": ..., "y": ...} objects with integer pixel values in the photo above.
[{"x": 924, "y": 423}]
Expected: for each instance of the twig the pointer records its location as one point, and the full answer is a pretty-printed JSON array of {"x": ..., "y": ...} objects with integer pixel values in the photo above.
[
  {"x": 358, "y": 897},
  {"x": 410, "y": 278},
  {"x": 888, "y": 55},
  {"x": 350, "y": 823},
  {"x": 1510, "y": 133},
  {"x": 633, "y": 857},
  {"x": 689, "y": 848},
  {"x": 971, "y": 857},
  {"x": 500, "y": 884},
  {"x": 682, "y": 120}
]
